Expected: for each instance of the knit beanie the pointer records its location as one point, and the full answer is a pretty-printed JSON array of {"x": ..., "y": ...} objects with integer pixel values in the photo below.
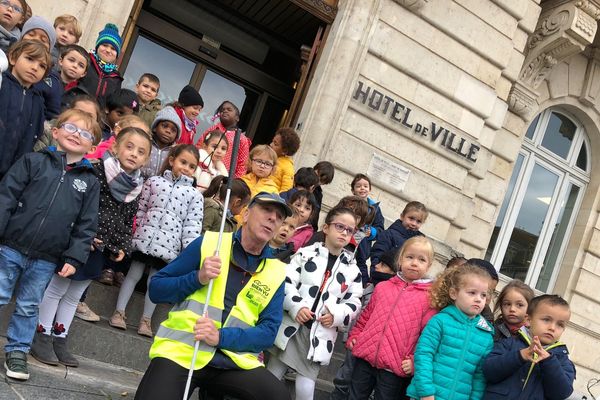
[
  {"x": 110, "y": 35},
  {"x": 190, "y": 97},
  {"x": 167, "y": 114},
  {"x": 37, "y": 22},
  {"x": 486, "y": 265}
]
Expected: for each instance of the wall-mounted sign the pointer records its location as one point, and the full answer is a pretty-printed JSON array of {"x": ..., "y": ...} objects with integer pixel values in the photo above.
[
  {"x": 401, "y": 114},
  {"x": 388, "y": 173}
]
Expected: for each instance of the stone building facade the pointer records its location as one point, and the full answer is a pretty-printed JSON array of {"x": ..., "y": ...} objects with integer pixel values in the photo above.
[{"x": 487, "y": 111}]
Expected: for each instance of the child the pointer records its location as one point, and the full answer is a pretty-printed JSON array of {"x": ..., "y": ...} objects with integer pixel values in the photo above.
[
  {"x": 450, "y": 352},
  {"x": 120, "y": 186},
  {"x": 325, "y": 171},
  {"x": 229, "y": 116},
  {"x": 391, "y": 239},
  {"x": 282, "y": 248},
  {"x": 102, "y": 77},
  {"x": 13, "y": 12},
  {"x": 304, "y": 179},
  {"x": 214, "y": 148},
  {"x": 166, "y": 129},
  {"x": 72, "y": 65},
  {"x": 322, "y": 294},
  {"x": 21, "y": 106},
  {"x": 391, "y": 323},
  {"x": 168, "y": 219},
  {"x": 147, "y": 91},
  {"x": 512, "y": 306},
  {"x": 487, "y": 312},
  {"x": 533, "y": 365},
  {"x": 68, "y": 32},
  {"x": 261, "y": 164},
  {"x": 286, "y": 143},
  {"x": 214, "y": 197},
  {"x": 305, "y": 204},
  {"x": 127, "y": 121},
  {"x": 456, "y": 261},
  {"x": 188, "y": 107},
  {"x": 119, "y": 103},
  {"x": 48, "y": 214}
]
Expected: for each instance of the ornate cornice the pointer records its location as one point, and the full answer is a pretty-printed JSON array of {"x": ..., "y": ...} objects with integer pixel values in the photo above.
[
  {"x": 319, "y": 8},
  {"x": 412, "y": 5}
]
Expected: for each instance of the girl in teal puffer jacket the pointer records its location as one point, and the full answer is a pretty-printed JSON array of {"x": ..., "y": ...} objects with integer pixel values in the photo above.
[{"x": 453, "y": 345}]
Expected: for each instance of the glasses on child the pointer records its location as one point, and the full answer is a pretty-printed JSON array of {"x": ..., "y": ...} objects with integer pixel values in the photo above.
[
  {"x": 7, "y": 4},
  {"x": 72, "y": 129},
  {"x": 263, "y": 163},
  {"x": 341, "y": 228}
]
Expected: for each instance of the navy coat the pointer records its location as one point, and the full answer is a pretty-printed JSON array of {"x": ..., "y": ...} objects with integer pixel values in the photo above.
[{"x": 52, "y": 89}]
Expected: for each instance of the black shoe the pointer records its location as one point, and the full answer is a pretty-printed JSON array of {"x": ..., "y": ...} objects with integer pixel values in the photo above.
[
  {"x": 42, "y": 350},
  {"x": 16, "y": 365},
  {"x": 61, "y": 351}
]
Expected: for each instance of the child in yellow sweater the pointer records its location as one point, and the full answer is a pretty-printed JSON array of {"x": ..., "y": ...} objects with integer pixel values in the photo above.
[{"x": 286, "y": 143}]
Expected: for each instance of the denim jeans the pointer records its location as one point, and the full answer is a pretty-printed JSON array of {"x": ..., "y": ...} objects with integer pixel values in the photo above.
[{"x": 34, "y": 276}]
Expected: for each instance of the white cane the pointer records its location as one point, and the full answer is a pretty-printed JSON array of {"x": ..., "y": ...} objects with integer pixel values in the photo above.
[{"x": 232, "y": 165}]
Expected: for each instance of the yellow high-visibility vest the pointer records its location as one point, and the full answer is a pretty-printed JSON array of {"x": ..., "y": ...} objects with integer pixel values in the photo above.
[{"x": 174, "y": 339}]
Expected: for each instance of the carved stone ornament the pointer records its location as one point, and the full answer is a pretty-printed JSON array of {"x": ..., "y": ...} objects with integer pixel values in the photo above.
[
  {"x": 412, "y": 5},
  {"x": 521, "y": 100}
]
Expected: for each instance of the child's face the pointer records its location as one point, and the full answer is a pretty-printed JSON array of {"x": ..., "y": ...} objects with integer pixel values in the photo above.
[
  {"x": 165, "y": 133},
  {"x": 228, "y": 115},
  {"x": 415, "y": 262},
  {"x": 107, "y": 53},
  {"x": 88, "y": 107},
  {"x": 286, "y": 231},
  {"x": 132, "y": 152},
  {"x": 72, "y": 66},
  {"x": 184, "y": 164},
  {"x": 413, "y": 219},
  {"x": 38, "y": 35},
  {"x": 218, "y": 149},
  {"x": 146, "y": 90},
  {"x": 276, "y": 146},
  {"x": 236, "y": 204},
  {"x": 339, "y": 232},
  {"x": 192, "y": 112},
  {"x": 548, "y": 322},
  {"x": 304, "y": 209},
  {"x": 65, "y": 35},
  {"x": 362, "y": 189},
  {"x": 11, "y": 14},
  {"x": 112, "y": 117},
  {"x": 514, "y": 307},
  {"x": 27, "y": 69},
  {"x": 471, "y": 296},
  {"x": 262, "y": 165},
  {"x": 72, "y": 143}
]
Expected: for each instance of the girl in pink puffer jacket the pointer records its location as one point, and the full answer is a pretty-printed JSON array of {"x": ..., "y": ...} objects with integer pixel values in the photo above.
[{"x": 386, "y": 333}]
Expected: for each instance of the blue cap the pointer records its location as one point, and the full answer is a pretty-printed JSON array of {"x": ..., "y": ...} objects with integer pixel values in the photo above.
[{"x": 271, "y": 198}]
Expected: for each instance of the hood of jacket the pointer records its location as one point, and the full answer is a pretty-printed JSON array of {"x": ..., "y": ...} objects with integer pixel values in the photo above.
[{"x": 407, "y": 233}]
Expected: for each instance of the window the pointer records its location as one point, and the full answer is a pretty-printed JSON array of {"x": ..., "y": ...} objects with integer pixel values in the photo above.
[{"x": 542, "y": 200}]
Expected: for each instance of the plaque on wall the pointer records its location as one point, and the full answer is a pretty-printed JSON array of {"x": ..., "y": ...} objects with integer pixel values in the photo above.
[{"x": 387, "y": 173}]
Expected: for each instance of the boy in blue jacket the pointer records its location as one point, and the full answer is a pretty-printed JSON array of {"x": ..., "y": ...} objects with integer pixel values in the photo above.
[
  {"x": 48, "y": 217},
  {"x": 534, "y": 365}
]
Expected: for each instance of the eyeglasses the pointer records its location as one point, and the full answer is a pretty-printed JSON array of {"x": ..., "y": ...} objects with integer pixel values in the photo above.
[
  {"x": 341, "y": 228},
  {"x": 7, "y": 4},
  {"x": 72, "y": 129},
  {"x": 263, "y": 163}
]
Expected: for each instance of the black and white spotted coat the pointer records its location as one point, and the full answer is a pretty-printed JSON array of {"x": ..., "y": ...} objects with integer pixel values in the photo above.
[
  {"x": 341, "y": 297},
  {"x": 169, "y": 216}
]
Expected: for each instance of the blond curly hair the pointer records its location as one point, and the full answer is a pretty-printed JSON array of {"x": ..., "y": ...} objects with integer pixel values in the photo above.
[{"x": 453, "y": 278}]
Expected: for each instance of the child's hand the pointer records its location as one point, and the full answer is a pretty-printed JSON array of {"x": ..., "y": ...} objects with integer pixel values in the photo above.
[
  {"x": 407, "y": 366},
  {"x": 206, "y": 330},
  {"x": 211, "y": 268},
  {"x": 381, "y": 267},
  {"x": 304, "y": 315},
  {"x": 326, "y": 320},
  {"x": 527, "y": 354},
  {"x": 96, "y": 244},
  {"x": 351, "y": 343},
  {"x": 119, "y": 257},
  {"x": 539, "y": 350},
  {"x": 67, "y": 270}
]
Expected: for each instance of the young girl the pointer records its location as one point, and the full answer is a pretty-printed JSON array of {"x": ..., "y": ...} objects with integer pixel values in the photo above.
[
  {"x": 229, "y": 116},
  {"x": 512, "y": 306},
  {"x": 166, "y": 129},
  {"x": 214, "y": 197},
  {"x": 261, "y": 164},
  {"x": 168, "y": 219},
  {"x": 213, "y": 150},
  {"x": 450, "y": 352},
  {"x": 120, "y": 187},
  {"x": 391, "y": 239},
  {"x": 305, "y": 205},
  {"x": 322, "y": 294},
  {"x": 188, "y": 107},
  {"x": 386, "y": 333}
]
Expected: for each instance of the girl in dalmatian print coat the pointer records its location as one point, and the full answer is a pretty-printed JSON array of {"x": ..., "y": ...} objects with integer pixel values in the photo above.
[{"x": 323, "y": 287}]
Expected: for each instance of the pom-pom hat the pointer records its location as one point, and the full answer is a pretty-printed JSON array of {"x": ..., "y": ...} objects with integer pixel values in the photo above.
[{"x": 110, "y": 35}]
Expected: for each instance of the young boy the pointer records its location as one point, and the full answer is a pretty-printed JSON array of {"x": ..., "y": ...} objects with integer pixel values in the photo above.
[
  {"x": 534, "y": 365},
  {"x": 118, "y": 104},
  {"x": 281, "y": 250},
  {"x": 48, "y": 217},
  {"x": 325, "y": 171},
  {"x": 147, "y": 90},
  {"x": 166, "y": 129},
  {"x": 68, "y": 32},
  {"x": 286, "y": 143},
  {"x": 12, "y": 14},
  {"x": 21, "y": 106},
  {"x": 73, "y": 64},
  {"x": 304, "y": 179}
]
